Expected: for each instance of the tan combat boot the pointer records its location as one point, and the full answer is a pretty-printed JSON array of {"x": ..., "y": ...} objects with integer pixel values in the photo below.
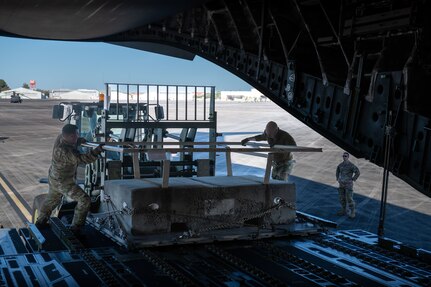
[{"x": 352, "y": 213}]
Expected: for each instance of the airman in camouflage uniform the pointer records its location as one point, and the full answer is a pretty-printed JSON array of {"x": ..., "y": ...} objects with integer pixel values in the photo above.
[
  {"x": 346, "y": 174},
  {"x": 282, "y": 163},
  {"x": 62, "y": 177}
]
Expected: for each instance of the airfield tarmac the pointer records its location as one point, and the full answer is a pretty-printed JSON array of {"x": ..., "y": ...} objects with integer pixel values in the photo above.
[{"x": 26, "y": 155}]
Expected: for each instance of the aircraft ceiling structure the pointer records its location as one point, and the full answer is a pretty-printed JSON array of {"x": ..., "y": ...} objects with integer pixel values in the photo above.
[{"x": 356, "y": 71}]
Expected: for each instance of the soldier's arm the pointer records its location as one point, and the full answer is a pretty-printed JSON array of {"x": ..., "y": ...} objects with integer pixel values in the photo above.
[
  {"x": 258, "y": 138},
  {"x": 254, "y": 138},
  {"x": 88, "y": 157},
  {"x": 70, "y": 156},
  {"x": 357, "y": 173},
  {"x": 64, "y": 157},
  {"x": 286, "y": 139},
  {"x": 337, "y": 173},
  {"x": 290, "y": 140}
]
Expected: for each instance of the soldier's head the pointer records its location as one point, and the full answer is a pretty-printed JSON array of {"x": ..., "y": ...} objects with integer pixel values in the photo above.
[
  {"x": 345, "y": 156},
  {"x": 70, "y": 133},
  {"x": 271, "y": 130}
]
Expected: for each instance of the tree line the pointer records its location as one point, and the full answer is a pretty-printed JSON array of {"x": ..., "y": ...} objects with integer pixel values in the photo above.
[{"x": 3, "y": 85}]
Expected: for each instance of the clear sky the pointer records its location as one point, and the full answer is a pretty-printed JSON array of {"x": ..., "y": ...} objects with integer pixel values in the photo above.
[{"x": 74, "y": 65}]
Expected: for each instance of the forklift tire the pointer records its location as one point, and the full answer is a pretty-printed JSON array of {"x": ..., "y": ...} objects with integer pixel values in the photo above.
[{"x": 37, "y": 204}]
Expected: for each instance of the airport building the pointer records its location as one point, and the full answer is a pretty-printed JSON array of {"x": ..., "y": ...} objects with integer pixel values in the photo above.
[
  {"x": 93, "y": 95},
  {"x": 23, "y": 92},
  {"x": 243, "y": 96},
  {"x": 79, "y": 94}
]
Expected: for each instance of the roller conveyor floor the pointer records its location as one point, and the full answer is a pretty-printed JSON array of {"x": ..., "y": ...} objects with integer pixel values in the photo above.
[{"x": 343, "y": 258}]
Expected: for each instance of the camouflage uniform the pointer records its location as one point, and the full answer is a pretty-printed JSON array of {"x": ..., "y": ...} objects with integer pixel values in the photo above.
[
  {"x": 346, "y": 174},
  {"x": 282, "y": 163},
  {"x": 62, "y": 176}
]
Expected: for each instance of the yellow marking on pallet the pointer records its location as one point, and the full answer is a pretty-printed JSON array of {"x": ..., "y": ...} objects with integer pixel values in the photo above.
[{"x": 15, "y": 199}]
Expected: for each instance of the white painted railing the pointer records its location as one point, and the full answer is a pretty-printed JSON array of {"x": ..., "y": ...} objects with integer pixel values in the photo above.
[{"x": 135, "y": 148}]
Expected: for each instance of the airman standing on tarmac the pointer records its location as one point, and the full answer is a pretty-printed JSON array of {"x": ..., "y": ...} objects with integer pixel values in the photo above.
[
  {"x": 282, "y": 163},
  {"x": 62, "y": 177},
  {"x": 346, "y": 174}
]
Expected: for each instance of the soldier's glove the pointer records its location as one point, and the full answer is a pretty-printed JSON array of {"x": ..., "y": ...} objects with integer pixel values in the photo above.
[
  {"x": 245, "y": 141},
  {"x": 98, "y": 150}
]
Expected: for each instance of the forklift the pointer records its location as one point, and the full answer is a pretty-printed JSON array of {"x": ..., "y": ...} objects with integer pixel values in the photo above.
[{"x": 138, "y": 115}]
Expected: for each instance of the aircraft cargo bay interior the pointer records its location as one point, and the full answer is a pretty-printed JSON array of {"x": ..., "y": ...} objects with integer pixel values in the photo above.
[{"x": 178, "y": 184}]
